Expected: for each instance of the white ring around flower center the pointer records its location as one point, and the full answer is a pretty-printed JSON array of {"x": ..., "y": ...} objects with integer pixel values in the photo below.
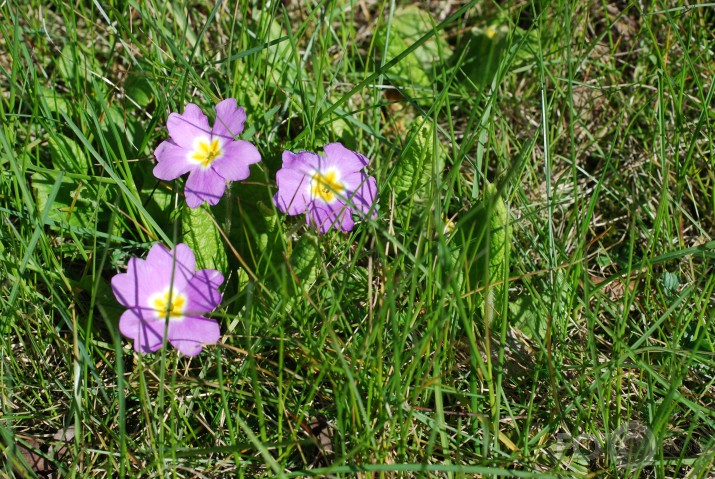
[
  {"x": 159, "y": 303},
  {"x": 205, "y": 150},
  {"x": 326, "y": 185}
]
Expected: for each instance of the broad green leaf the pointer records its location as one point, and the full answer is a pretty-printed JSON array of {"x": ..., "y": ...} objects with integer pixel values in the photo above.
[
  {"x": 55, "y": 101},
  {"x": 481, "y": 239},
  {"x": 110, "y": 309},
  {"x": 670, "y": 283},
  {"x": 268, "y": 235},
  {"x": 203, "y": 237},
  {"x": 125, "y": 124},
  {"x": 408, "y": 25},
  {"x": 67, "y": 62},
  {"x": 305, "y": 258},
  {"x": 408, "y": 72},
  {"x": 342, "y": 131},
  {"x": 499, "y": 240},
  {"x": 697, "y": 336},
  {"x": 67, "y": 155},
  {"x": 157, "y": 197},
  {"x": 525, "y": 316},
  {"x": 485, "y": 48},
  {"x": 417, "y": 163},
  {"x": 76, "y": 61},
  {"x": 138, "y": 88},
  {"x": 282, "y": 66},
  {"x": 121, "y": 129},
  {"x": 255, "y": 229},
  {"x": 78, "y": 202}
]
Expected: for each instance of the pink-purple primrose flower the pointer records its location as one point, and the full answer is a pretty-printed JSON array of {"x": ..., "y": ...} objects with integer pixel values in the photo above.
[
  {"x": 329, "y": 188},
  {"x": 165, "y": 293},
  {"x": 211, "y": 156}
]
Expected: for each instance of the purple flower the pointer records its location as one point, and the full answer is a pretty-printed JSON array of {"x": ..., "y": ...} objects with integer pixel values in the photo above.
[
  {"x": 210, "y": 155},
  {"x": 166, "y": 293},
  {"x": 329, "y": 189}
]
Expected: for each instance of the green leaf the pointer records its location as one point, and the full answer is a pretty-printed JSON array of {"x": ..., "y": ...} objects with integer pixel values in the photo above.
[
  {"x": 408, "y": 25},
  {"x": 75, "y": 61},
  {"x": 201, "y": 234},
  {"x": 121, "y": 129},
  {"x": 255, "y": 229},
  {"x": 282, "y": 66},
  {"x": 305, "y": 258},
  {"x": 67, "y": 155},
  {"x": 124, "y": 122},
  {"x": 408, "y": 72},
  {"x": 56, "y": 103},
  {"x": 525, "y": 316},
  {"x": 486, "y": 48},
  {"x": 342, "y": 131},
  {"x": 697, "y": 336},
  {"x": 418, "y": 163},
  {"x": 138, "y": 88},
  {"x": 158, "y": 197},
  {"x": 480, "y": 240},
  {"x": 671, "y": 282},
  {"x": 78, "y": 202},
  {"x": 67, "y": 62}
]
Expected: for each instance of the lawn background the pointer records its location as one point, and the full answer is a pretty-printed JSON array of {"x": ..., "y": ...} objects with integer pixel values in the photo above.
[{"x": 541, "y": 268}]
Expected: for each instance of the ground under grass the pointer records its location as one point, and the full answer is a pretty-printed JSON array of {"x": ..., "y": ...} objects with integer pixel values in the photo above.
[{"x": 534, "y": 299}]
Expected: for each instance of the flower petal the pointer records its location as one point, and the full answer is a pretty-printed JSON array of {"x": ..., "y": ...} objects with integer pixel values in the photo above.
[
  {"x": 344, "y": 160},
  {"x": 136, "y": 285},
  {"x": 202, "y": 291},
  {"x": 304, "y": 161},
  {"x": 204, "y": 184},
  {"x": 230, "y": 119},
  {"x": 233, "y": 164},
  {"x": 324, "y": 216},
  {"x": 179, "y": 263},
  {"x": 293, "y": 191},
  {"x": 192, "y": 332},
  {"x": 184, "y": 128},
  {"x": 362, "y": 192},
  {"x": 172, "y": 160},
  {"x": 347, "y": 222},
  {"x": 212, "y": 276},
  {"x": 147, "y": 335}
]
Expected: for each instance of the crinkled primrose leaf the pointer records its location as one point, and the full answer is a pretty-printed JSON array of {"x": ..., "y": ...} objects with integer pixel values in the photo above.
[
  {"x": 138, "y": 88},
  {"x": 305, "y": 258},
  {"x": 255, "y": 230},
  {"x": 76, "y": 63},
  {"x": 67, "y": 155},
  {"x": 56, "y": 103},
  {"x": 203, "y": 237},
  {"x": 480, "y": 249},
  {"x": 484, "y": 50},
  {"x": 408, "y": 25},
  {"x": 78, "y": 202},
  {"x": 418, "y": 163}
]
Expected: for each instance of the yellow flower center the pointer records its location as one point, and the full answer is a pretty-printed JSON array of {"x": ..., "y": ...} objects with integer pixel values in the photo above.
[
  {"x": 205, "y": 152},
  {"x": 326, "y": 186},
  {"x": 159, "y": 302}
]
